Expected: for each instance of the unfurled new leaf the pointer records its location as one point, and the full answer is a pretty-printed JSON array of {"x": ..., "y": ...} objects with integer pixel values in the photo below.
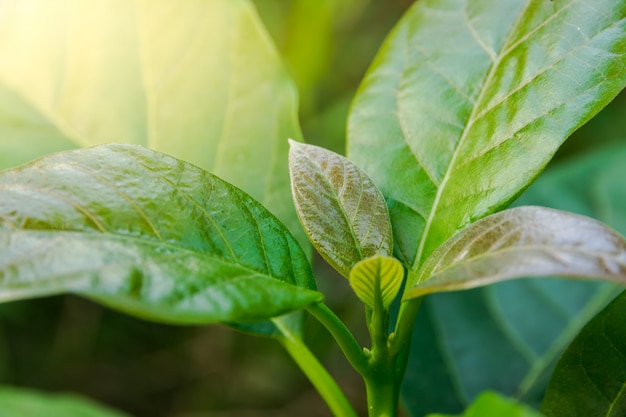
[
  {"x": 342, "y": 211},
  {"x": 590, "y": 377},
  {"x": 523, "y": 242},
  {"x": 467, "y": 101},
  {"x": 147, "y": 234},
  {"x": 377, "y": 279}
]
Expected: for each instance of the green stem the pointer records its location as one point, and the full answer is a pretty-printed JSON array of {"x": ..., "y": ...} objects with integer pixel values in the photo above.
[
  {"x": 317, "y": 374},
  {"x": 389, "y": 357},
  {"x": 401, "y": 343},
  {"x": 382, "y": 394},
  {"x": 342, "y": 336},
  {"x": 381, "y": 381}
]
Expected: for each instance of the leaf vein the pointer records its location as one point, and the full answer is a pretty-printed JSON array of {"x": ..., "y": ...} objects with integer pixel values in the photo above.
[
  {"x": 206, "y": 214},
  {"x": 468, "y": 21},
  {"x": 464, "y": 135}
]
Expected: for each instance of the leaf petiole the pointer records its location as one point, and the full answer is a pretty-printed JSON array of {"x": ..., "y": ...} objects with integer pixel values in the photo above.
[
  {"x": 317, "y": 374},
  {"x": 342, "y": 335}
]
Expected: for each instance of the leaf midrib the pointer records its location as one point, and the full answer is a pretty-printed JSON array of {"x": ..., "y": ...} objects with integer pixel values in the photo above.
[
  {"x": 331, "y": 187},
  {"x": 464, "y": 135},
  {"x": 143, "y": 241},
  {"x": 522, "y": 248}
]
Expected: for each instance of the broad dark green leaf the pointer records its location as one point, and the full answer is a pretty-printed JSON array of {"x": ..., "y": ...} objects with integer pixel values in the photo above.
[
  {"x": 508, "y": 336},
  {"x": 378, "y": 277},
  {"x": 19, "y": 402},
  {"x": 590, "y": 377},
  {"x": 147, "y": 234},
  {"x": 211, "y": 89},
  {"x": 467, "y": 101},
  {"x": 490, "y": 404},
  {"x": 523, "y": 242},
  {"x": 342, "y": 211}
]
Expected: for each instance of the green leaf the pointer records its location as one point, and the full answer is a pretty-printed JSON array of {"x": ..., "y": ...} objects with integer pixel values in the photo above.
[
  {"x": 211, "y": 89},
  {"x": 493, "y": 404},
  {"x": 520, "y": 326},
  {"x": 467, "y": 102},
  {"x": 590, "y": 377},
  {"x": 342, "y": 211},
  {"x": 522, "y": 242},
  {"x": 377, "y": 278},
  {"x": 22, "y": 402},
  {"x": 147, "y": 234}
]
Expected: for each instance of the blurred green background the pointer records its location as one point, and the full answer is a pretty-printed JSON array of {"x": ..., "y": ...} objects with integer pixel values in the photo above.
[{"x": 147, "y": 369}]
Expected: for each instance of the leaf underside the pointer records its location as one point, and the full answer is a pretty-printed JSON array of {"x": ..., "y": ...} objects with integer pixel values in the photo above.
[
  {"x": 523, "y": 242},
  {"x": 147, "y": 234},
  {"x": 466, "y": 103},
  {"x": 590, "y": 377},
  {"x": 211, "y": 89},
  {"x": 341, "y": 209}
]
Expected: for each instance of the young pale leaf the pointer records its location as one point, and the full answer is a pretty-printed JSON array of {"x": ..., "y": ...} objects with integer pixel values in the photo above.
[
  {"x": 590, "y": 377},
  {"x": 211, "y": 89},
  {"x": 16, "y": 402},
  {"x": 523, "y": 242},
  {"x": 491, "y": 404},
  {"x": 467, "y": 101},
  {"x": 342, "y": 211},
  {"x": 377, "y": 278},
  {"x": 147, "y": 234}
]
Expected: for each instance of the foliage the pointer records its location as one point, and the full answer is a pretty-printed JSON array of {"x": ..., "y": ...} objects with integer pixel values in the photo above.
[
  {"x": 160, "y": 239},
  {"x": 20, "y": 402},
  {"x": 450, "y": 146},
  {"x": 184, "y": 91},
  {"x": 589, "y": 378},
  {"x": 490, "y": 403},
  {"x": 498, "y": 323}
]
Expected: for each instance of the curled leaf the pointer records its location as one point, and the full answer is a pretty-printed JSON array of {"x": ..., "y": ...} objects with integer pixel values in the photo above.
[
  {"x": 524, "y": 242},
  {"x": 377, "y": 278}
]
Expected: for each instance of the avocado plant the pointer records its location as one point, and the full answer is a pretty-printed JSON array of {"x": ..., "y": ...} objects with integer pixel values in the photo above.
[{"x": 463, "y": 107}]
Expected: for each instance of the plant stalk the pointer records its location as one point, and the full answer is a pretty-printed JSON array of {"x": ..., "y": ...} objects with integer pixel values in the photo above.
[
  {"x": 382, "y": 394},
  {"x": 317, "y": 374},
  {"x": 342, "y": 335},
  {"x": 381, "y": 382}
]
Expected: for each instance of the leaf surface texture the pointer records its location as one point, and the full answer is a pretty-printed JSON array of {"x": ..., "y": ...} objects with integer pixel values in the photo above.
[
  {"x": 341, "y": 209},
  {"x": 147, "y": 234},
  {"x": 467, "y": 101},
  {"x": 520, "y": 326},
  {"x": 522, "y": 242}
]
